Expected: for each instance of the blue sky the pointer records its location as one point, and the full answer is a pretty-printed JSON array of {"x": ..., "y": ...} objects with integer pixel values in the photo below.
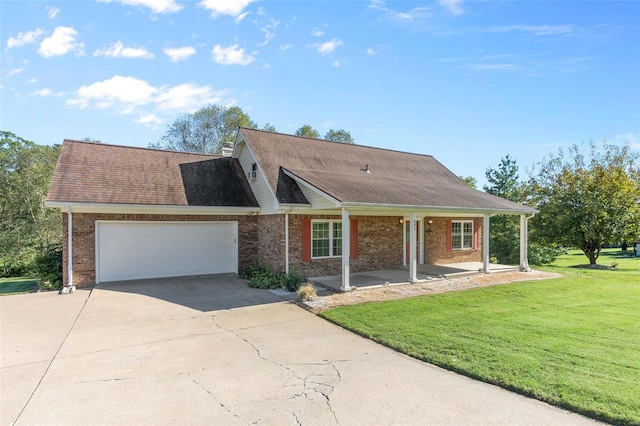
[{"x": 465, "y": 81}]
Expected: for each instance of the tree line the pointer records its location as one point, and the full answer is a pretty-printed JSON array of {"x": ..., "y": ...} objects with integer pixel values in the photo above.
[
  {"x": 207, "y": 129},
  {"x": 588, "y": 195}
]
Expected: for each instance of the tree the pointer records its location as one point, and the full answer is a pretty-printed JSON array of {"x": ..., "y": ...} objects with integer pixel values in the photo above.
[
  {"x": 504, "y": 230},
  {"x": 205, "y": 130},
  {"x": 469, "y": 180},
  {"x": 308, "y": 132},
  {"x": 339, "y": 135},
  {"x": 269, "y": 127},
  {"x": 588, "y": 199},
  {"x": 27, "y": 227}
]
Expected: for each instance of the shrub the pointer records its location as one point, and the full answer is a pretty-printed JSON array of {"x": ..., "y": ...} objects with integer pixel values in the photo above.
[
  {"x": 48, "y": 268},
  {"x": 292, "y": 281},
  {"x": 307, "y": 292},
  {"x": 543, "y": 255}
]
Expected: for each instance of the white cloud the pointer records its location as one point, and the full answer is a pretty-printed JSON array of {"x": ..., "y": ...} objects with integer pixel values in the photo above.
[
  {"x": 317, "y": 32},
  {"x": 150, "y": 119},
  {"x": 537, "y": 30},
  {"x": 117, "y": 50},
  {"x": 328, "y": 46},
  {"x": 629, "y": 138},
  {"x": 241, "y": 17},
  {"x": 61, "y": 42},
  {"x": 284, "y": 47},
  {"x": 187, "y": 97},
  {"x": 25, "y": 38},
  {"x": 118, "y": 90},
  {"x": 32, "y": 80},
  {"x": 495, "y": 67},
  {"x": 14, "y": 71},
  {"x": 52, "y": 12},
  {"x": 178, "y": 54},
  {"x": 414, "y": 14},
  {"x": 453, "y": 6},
  {"x": 149, "y": 104},
  {"x": 231, "y": 55},
  {"x": 225, "y": 7},
  {"x": 261, "y": 11},
  {"x": 268, "y": 31},
  {"x": 338, "y": 62},
  {"x": 371, "y": 51},
  {"x": 45, "y": 92},
  {"x": 156, "y": 6}
]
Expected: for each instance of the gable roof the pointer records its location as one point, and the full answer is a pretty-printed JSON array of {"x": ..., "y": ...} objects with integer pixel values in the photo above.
[
  {"x": 394, "y": 178},
  {"x": 99, "y": 173}
]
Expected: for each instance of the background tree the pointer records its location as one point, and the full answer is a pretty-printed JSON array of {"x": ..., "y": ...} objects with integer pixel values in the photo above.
[
  {"x": 269, "y": 127},
  {"x": 504, "y": 241},
  {"x": 205, "y": 130},
  {"x": 469, "y": 180},
  {"x": 308, "y": 132},
  {"x": 588, "y": 199},
  {"x": 339, "y": 135},
  {"x": 27, "y": 227}
]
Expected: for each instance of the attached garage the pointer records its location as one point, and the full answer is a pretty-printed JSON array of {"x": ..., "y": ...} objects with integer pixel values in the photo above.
[{"x": 138, "y": 250}]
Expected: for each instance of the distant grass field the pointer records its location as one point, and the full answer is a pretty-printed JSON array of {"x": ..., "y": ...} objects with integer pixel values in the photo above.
[
  {"x": 17, "y": 285},
  {"x": 572, "y": 341}
]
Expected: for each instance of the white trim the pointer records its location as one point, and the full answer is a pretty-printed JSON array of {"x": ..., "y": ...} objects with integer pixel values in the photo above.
[
  {"x": 413, "y": 267},
  {"x": 262, "y": 174},
  {"x": 150, "y": 209},
  {"x": 404, "y": 242},
  {"x": 421, "y": 242},
  {"x": 315, "y": 189},
  {"x": 462, "y": 233},
  {"x": 99, "y": 222},
  {"x": 69, "y": 247},
  {"x": 485, "y": 244},
  {"x": 524, "y": 243},
  {"x": 346, "y": 251},
  {"x": 286, "y": 242},
  {"x": 442, "y": 209},
  {"x": 331, "y": 246}
]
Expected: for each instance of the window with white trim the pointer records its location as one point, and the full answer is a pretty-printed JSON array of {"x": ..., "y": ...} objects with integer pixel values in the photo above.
[
  {"x": 462, "y": 234},
  {"x": 326, "y": 239}
]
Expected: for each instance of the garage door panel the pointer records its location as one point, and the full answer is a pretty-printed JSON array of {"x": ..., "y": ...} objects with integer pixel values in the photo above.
[{"x": 136, "y": 250}]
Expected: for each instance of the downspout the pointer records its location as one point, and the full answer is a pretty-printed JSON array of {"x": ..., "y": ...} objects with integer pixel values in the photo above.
[
  {"x": 69, "y": 246},
  {"x": 286, "y": 241}
]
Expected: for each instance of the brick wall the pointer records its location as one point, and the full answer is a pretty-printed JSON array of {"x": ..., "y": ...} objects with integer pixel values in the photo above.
[
  {"x": 84, "y": 261},
  {"x": 271, "y": 241},
  {"x": 379, "y": 246},
  {"x": 435, "y": 244}
]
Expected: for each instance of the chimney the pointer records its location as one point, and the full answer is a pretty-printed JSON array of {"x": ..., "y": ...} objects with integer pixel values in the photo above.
[{"x": 226, "y": 149}]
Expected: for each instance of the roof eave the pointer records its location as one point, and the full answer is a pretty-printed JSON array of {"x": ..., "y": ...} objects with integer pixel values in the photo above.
[
  {"x": 442, "y": 209},
  {"x": 84, "y": 207}
]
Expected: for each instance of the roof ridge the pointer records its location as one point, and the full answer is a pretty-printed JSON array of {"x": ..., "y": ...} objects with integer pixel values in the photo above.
[
  {"x": 336, "y": 142},
  {"x": 141, "y": 147}
]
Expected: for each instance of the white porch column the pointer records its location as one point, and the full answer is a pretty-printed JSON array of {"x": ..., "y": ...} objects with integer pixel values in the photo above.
[
  {"x": 412, "y": 250},
  {"x": 346, "y": 250},
  {"x": 421, "y": 248},
  {"x": 286, "y": 242},
  {"x": 69, "y": 247},
  {"x": 524, "y": 244},
  {"x": 485, "y": 243}
]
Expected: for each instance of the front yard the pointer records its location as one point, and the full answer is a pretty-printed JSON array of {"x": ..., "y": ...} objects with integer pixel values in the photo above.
[
  {"x": 17, "y": 285},
  {"x": 572, "y": 341}
]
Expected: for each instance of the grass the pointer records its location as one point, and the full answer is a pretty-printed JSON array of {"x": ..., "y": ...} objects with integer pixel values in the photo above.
[
  {"x": 572, "y": 341},
  {"x": 17, "y": 285}
]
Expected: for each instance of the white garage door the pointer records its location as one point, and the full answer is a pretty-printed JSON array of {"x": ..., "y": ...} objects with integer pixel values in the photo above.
[{"x": 136, "y": 250}]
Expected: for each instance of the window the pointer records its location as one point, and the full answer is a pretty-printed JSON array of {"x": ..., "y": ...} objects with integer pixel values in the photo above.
[
  {"x": 462, "y": 235},
  {"x": 326, "y": 239}
]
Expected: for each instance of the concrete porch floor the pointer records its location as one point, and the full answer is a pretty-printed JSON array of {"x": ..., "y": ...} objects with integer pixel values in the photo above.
[{"x": 400, "y": 275}]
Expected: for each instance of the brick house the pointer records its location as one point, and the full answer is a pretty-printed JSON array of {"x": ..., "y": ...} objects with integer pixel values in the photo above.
[{"x": 293, "y": 203}]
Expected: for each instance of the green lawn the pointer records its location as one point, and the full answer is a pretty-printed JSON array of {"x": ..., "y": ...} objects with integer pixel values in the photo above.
[
  {"x": 17, "y": 285},
  {"x": 572, "y": 341}
]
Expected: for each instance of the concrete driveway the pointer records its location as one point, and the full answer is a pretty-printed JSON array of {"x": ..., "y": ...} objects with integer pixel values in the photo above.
[{"x": 210, "y": 350}]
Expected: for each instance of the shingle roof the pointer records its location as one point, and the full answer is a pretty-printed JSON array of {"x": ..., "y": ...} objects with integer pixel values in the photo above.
[
  {"x": 99, "y": 173},
  {"x": 394, "y": 177}
]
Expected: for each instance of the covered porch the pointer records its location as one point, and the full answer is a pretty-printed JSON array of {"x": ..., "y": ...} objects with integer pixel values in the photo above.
[{"x": 400, "y": 276}]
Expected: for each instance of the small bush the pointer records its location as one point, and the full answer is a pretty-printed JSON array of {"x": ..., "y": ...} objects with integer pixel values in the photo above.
[
  {"x": 307, "y": 292},
  {"x": 292, "y": 281},
  {"x": 543, "y": 255},
  {"x": 48, "y": 268},
  {"x": 493, "y": 259}
]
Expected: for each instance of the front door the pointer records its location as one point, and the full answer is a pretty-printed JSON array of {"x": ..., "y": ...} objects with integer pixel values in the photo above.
[{"x": 407, "y": 239}]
